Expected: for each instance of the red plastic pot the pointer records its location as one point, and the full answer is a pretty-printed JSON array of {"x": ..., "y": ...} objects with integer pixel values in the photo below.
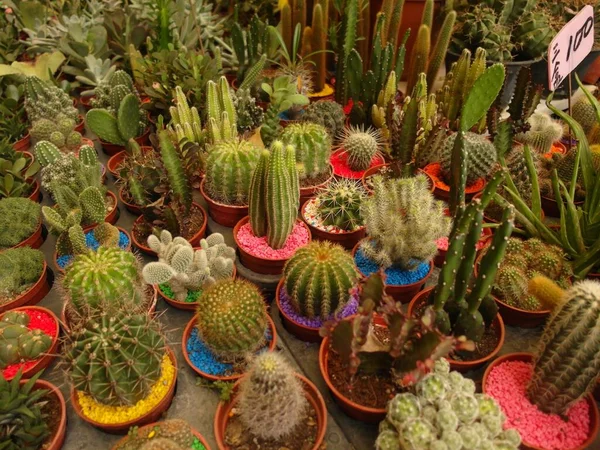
[
  {"x": 347, "y": 239},
  {"x": 35, "y": 240},
  {"x": 22, "y": 144},
  {"x": 112, "y": 215},
  {"x": 226, "y": 215},
  {"x": 86, "y": 102},
  {"x": 36, "y": 194},
  {"x": 80, "y": 127},
  {"x": 150, "y": 426},
  {"x": 113, "y": 149},
  {"x": 33, "y": 295},
  {"x": 302, "y": 332},
  {"x": 376, "y": 169},
  {"x": 309, "y": 192},
  {"x": 115, "y": 160},
  {"x": 57, "y": 440}
]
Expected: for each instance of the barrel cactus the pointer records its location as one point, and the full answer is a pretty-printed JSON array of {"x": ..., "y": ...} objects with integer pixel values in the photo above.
[
  {"x": 313, "y": 148},
  {"x": 339, "y": 204},
  {"x": 481, "y": 156},
  {"x": 232, "y": 319},
  {"x": 327, "y": 113},
  {"x": 360, "y": 146},
  {"x": 175, "y": 432},
  {"x": 17, "y": 342}
]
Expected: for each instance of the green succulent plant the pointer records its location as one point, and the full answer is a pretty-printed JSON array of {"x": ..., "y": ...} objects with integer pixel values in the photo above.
[
  {"x": 19, "y": 269},
  {"x": 174, "y": 431},
  {"x": 46, "y": 101},
  {"x": 339, "y": 204},
  {"x": 19, "y": 219},
  {"x": 60, "y": 131},
  {"x": 328, "y": 114},
  {"x": 16, "y": 175},
  {"x": 19, "y": 343},
  {"x": 313, "y": 149},
  {"x": 249, "y": 114}
]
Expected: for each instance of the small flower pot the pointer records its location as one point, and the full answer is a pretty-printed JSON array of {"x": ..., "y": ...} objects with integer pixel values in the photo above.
[
  {"x": 151, "y": 416},
  {"x": 442, "y": 190},
  {"x": 113, "y": 149},
  {"x": 226, "y": 215},
  {"x": 375, "y": 170},
  {"x": 113, "y": 214},
  {"x": 80, "y": 127},
  {"x": 225, "y": 412},
  {"x": 593, "y": 408},
  {"x": 141, "y": 430},
  {"x": 36, "y": 194},
  {"x": 22, "y": 144},
  {"x": 462, "y": 366},
  {"x": 347, "y": 239},
  {"x": 309, "y": 192},
  {"x": 34, "y": 294},
  {"x": 45, "y": 360},
  {"x": 340, "y": 167},
  {"x": 86, "y": 102},
  {"x": 131, "y": 207},
  {"x": 115, "y": 160},
  {"x": 258, "y": 264},
  {"x": 186, "y": 336},
  {"x": 557, "y": 147},
  {"x": 35, "y": 240},
  {"x": 56, "y": 441}
]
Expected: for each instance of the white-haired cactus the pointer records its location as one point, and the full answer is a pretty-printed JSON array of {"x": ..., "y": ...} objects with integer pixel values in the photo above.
[{"x": 543, "y": 132}]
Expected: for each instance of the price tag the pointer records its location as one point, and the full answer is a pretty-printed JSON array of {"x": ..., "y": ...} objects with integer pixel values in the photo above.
[{"x": 570, "y": 46}]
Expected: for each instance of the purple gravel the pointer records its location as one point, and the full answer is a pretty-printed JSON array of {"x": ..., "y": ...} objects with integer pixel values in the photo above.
[{"x": 316, "y": 322}]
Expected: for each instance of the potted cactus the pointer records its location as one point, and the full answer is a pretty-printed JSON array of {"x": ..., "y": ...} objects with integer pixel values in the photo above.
[
  {"x": 273, "y": 405},
  {"x": 327, "y": 113},
  {"x": 552, "y": 386},
  {"x": 543, "y": 136},
  {"x": 174, "y": 433},
  {"x": 356, "y": 152},
  {"x": 182, "y": 272},
  {"x": 20, "y": 223},
  {"x": 115, "y": 400},
  {"x": 231, "y": 323},
  {"x": 60, "y": 131},
  {"x": 43, "y": 100}
]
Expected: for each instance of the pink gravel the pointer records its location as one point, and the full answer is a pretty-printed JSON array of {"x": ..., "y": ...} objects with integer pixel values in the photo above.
[
  {"x": 507, "y": 383},
  {"x": 442, "y": 243},
  {"x": 257, "y": 246}
]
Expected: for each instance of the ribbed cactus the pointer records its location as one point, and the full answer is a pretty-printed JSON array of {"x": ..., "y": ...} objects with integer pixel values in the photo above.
[
  {"x": 221, "y": 114},
  {"x": 43, "y": 100},
  {"x": 327, "y": 113},
  {"x": 19, "y": 219},
  {"x": 339, "y": 204},
  {"x": 229, "y": 168},
  {"x": 543, "y": 132},
  {"x": 124, "y": 370},
  {"x": 346, "y": 42},
  {"x": 419, "y": 57},
  {"x": 232, "y": 319},
  {"x": 481, "y": 156},
  {"x": 319, "y": 46},
  {"x": 313, "y": 148},
  {"x": 271, "y": 399},
  {"x": 360, "y": 146},
  {"x": 185, "y": 121},
  {"x": 17, "y": 342},
  {"x": 566, "y": 364}
]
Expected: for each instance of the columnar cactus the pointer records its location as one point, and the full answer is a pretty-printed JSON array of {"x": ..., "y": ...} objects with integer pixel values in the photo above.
[
  {"x": 318, "y": 279},
  {"x": 17, "y": 342},
  {"x": 481, "y": 156},
  {"x": 543, "y": 132},
  {"x": 328, "y": 114},
  {"x": 313, "y": 148},
  {"x": 46, "y": 101},
  {"x": 271, "y": 399},
  {"x": 133, "y": 348},
  {"x": 339, "y": 204},
  {"x": 185, "y": 121},
  {"x": 361, "y": 146},
  {"x": 232, "y": 319},
  {"x": 221, "y": 114}
]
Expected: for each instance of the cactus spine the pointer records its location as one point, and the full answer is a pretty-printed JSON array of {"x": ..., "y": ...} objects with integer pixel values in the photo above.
[
  {"x": 313, "y": 148},
  {"x": 360, "y": 146}
]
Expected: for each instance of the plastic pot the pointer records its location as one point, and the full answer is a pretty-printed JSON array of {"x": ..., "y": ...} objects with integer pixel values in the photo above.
[
  {"x": 112, "y": 215},
  {"x": 309, "y": 192},
  {"x": 36, "y": 194},
  {"x": 131, "y": 207},
  {"x": 347, "y": 239},
  {"x": 141, "y": 430},
  {"x": 57, "y": 440},
  {"x": 302, "y": 332},
  {"x": 226, "y": 215},
  {"x": 35, "y": 240},
  {"x": 80, "y": 127},
  {"x": 22, "y": 144},
  {"x": 113, "y": 149},
  {"x": 34, "y": 294},
  {"x": 115, "y": 160},
  {"x": 550, "y": 207}
]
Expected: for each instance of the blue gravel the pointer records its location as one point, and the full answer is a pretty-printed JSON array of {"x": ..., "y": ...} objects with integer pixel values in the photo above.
[
  {"x": 92, "y": 244},
  {"x": 205, "y": 360},
  {"x": 285, "y": 115},
  {"x": 394, "y": 275}
]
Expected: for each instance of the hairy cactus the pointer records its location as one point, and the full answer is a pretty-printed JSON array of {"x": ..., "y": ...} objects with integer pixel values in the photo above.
[
  {"x": 339, "y": 204},
  {"x": 65, "y": 137},
  {"x": 566, "y": 365},
  {"x": 361, "y": 146},
  {"x": 17, "y": 342},
  {"x": 547, "y": 292},
  {"x": 19, "y": 219},
  {"x": 408, "y": 239},
  {"x": 271, "y": 399},
  {"x": 229, "y": 168},
  {"x": 221, "y": 116},
  {"x": 481, "y": 156},
  {"x": 543, "y": 132},
  {"x": 175, "y": 431},
  {"x": 46, "y": 101},
  {"x": 313, "y": 148},
  {"x": 185, "y": 269},
  {"x": 133, "y": 348},
  {"x": 249, "y": 114},
  {"x": 585, "y": 114},
  {"x": 329, "y": 114},
  {"x": 318, "y": 279},
  {"x": 232, "y": 319},
  {"x": 185, "y": 121},
  {"x": 19, "y": 269}
]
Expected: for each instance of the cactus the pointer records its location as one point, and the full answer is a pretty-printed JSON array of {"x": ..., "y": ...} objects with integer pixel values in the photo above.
[
  {"x": 313, "y": 148},
  {"x": 119, "y": 126},
  {"x": 185, "y": 121},
  {"x": 229, "y": 168},
  {"x": 585, "y": 114},
  {"x": 319, "y": 46},
  {"x": 565, "y": 366},
  {"x": 46, "y": 101},
  {"x": 328, "y": 114},
  {"x": 549, "y": 294},
  {"x": 318, "y": 279},
  {"x": 221, "y": 114},
  {"x": 481, "y": 156},
  {"x": 543, "y": 132},
  {"x": 19, "y": 343},
  {"x": 133, "y": 349},
  {"x": 271, "y": 399},
  {"x": 403, "y": 240},
  {"x": 19, "y": 219},
  {"x": 347, "y": 43},
  {"x": 360, "y": 146},
  {"x": 19, "y": 269},
  {"x": 339, "y": 204},
  {"x": 419, "y": 57},
  {"x": 249, "y": 114},
  {"x": 174, "y": 431},
  {"x": 232, "y": 319},
  {"x": 65, "y": 137}
]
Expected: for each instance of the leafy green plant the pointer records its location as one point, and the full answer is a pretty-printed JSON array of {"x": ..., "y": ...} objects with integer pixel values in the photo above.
[{"x": 16, "y": 175}]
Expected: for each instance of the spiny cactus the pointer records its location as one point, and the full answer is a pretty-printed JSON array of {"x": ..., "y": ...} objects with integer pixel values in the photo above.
[
  {"x": 481, "y": 156},
  {"x": 339, "y": 204},
  {"x": 232, "y": 319},
  {"x": 313, "y": 148},
  {"x": 249, "y": 114},
  {"x": 19, "y": 269},
  {"x": 328, "y": 114},
  {"x": 17, "y": 342},
  {"x": 318, "y": 279},
  {"x": 361, "y": 146},
  {"x": 175, "y": 431},
  {"x": 584, "y": 113},
  {"x": 185, "y": 121},
  {"x": 133, "y": 348},
  {"x": 46, "y": 101},
  {"x": 543, "y": 132},
  {"x": 271, "y": 399},
  {"x": 549, "y": 294},
  {"x": 64, "y": 136},
  {"x": 229, "y": 168},
  {"x": 19, "y": 219},
  {"x": 407, "y": 239},
  {"x": 221, "y": 114}
]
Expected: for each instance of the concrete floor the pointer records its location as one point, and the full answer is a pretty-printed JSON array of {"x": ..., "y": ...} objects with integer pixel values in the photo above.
[{"x": 197, "y": 404}]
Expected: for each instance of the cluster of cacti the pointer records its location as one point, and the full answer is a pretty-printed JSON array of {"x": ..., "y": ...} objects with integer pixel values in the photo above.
[
  {"x": 408, "y": 239},
  {"x": 19, "y": 219},
  {"x": 271, "y": 400},
  {"x": 585, "y": 114},
  {"x": 220, "y": 111},
  {"x": 328, "y": 114},
  {"x": 229, "y": 168},
  {"x": 274, "y": 195},
  {"x": 185, "y": 121},
  {"x": 481, "y": 156},
  {"x": 249, "y": 46},
  {"x": 23, "y": 414},
  {"x": 133, "y": 349},
  {"x": 524, "y": 260},
  {"x": 443, "y": 411},
  {"x": 566, "y": 364},
  {"x": 46, "y": 101},
  {"x": 19, "y": 343},
  {"x": 313, "y": 148},
  {"x": 232, "y": 319},
  {"x": 249, "y": 114},
  {"x": 339, "y": 204},
  {"x": 60, "y": 131},
  {"x": 361, "y": 146},
  {"x": 174, "y": 433},
  {"x": 318, "y": 279},
  {"x": 185, "y": 269},
  {"x": 542, "y": 133},
  {"x": 19, "y": 268}
]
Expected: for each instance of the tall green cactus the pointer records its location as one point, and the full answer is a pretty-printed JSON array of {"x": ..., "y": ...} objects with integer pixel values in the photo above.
[
  {"x": 222, "y": 118},
  {"x": 319, "y": 45},
  {"x": 185, "y": 121},
  {"x": 438, "y": 53},
  {"x": 347, "y": 43},
  {"x": 178, "y": 181},
  {"x": 420, "y": 56}
]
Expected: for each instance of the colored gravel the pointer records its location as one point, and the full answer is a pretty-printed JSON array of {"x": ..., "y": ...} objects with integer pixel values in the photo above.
[
  {"x": 394, "y": 275},
  {"x": 339, "y": 161},
  {"x": 91, "y": 243},
  {"x": 197, "y": 445},
  {"x": 192, "y": 296},
  {"x": 507, "y": 383},
  {"x": 257, "y": 246}
]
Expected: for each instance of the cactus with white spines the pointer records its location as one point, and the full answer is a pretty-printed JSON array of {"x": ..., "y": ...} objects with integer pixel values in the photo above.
[
  {"x": 360, "y": 146},
  {"x": 543, "y": 132}
]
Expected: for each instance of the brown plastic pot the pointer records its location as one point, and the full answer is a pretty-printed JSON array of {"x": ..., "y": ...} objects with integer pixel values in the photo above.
[
  {"x": 186, "y": 335},
  {"x": 224, "y": 413},
  {"x": 33, "y": 295},
  {"x": 58, "y": 439},
  {"x": 45, "y": 360},
  {"x": 347, "y": 239},
  {"x": 131, "y": 207},
  {"x": 115, "y": 160},
  {"x": 124, "y": 440},
  {"x": 261, "y": 265},
  {"x": 36, "y": 194},
  {"x": 593, "y": 408},
  {"x": 376, "y": 169},
  {"x": 309, "y": 192},
  {"x": 302, "y": 332},
  {"x": 463, "y": 366},
  {"x": 22, "y": 144},
  {"x": 113, "y": 149},
  {"x": 86, "y": 101},
  {"x": 226, "y": 215},
  {"x": 35, "y": 240},
  {"x": 80, "y": 127}
]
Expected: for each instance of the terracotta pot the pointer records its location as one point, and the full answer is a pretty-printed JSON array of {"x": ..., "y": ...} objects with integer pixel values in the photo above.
[
  {"x": 260, "y": 265},
  {"x": 131, "y": 207},
  {"x": 309, "y": 192},
  {"x": 80, "y": 127},
  {"x": 118, "y": 158},
  {"x": 35, "y": 240},
  {"x": 22, "y": 144},
  {"x": 404, "y": 293},
  {"x": 302, "y": 332},
  {"x": 58, "y": 439},
  {"x": 463, "y": 366},
  {"x": 347, "y": 239},
  {"x": 550, "y": 207},
  {"x": 113, "y": 215},
  {"x": 375, "y": 170},
  {"x": 34, "y": 294},
  {"x": 150, "y": 426},
  {"x": 36, "y": 194},
  {"x": 221, "y": 213},
  {"x": 194, "y": 240},
  {"x": 594, "y": 415},
  {"x": 113, "y": 149},
  {"x": 377, "y": 161},
  {"x": 85, "y": 102},
  {"x": 224, "y": 413},
  {"x": 45, "y": 360},
  {"x": 186, "y": 335}
]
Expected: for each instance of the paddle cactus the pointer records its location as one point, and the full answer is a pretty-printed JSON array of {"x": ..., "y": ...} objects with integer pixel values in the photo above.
[
  {"x": 339, "y": 204},
  {"x": 17, "y": 342},
  {"x": 119, "y": 125},
  {"x": 313, "y": 148},
  {"x": 46, "y": 101},
  {"x": 543, "y": 132},
  {"x": 481, "y": 156},
  {"x": 328, "y": 114},
  {"x": 361, "y": 146}
]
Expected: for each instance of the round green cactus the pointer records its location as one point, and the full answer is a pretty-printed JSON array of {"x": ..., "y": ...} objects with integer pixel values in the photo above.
[
  {"x": 339, "y": 204},
  {"x": 481, "y": 156},
  {"x": 17, "y": 342},
  {"x": 360, "y": 146},
  {"x": 232, "y": 319},
  {"x": 328, "y": 114},
  {"x": 403, "y": 407},
  {"x": 313, "y": 148},
  {"x": 543, "y": 132}
]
